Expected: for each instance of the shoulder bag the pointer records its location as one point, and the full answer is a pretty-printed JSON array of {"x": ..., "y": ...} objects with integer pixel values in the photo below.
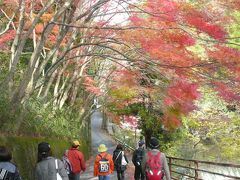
[{"x": 58, "y": 175}]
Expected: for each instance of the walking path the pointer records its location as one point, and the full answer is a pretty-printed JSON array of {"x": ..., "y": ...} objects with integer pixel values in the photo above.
[{"x": 101, "y": 137}]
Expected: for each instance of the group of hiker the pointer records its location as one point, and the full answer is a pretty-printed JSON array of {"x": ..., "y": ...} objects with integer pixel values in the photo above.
[{"x": 150, "y": 164}]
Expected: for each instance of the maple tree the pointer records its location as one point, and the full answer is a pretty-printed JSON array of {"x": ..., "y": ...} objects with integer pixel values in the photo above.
[{"x": 183, "y": 46}]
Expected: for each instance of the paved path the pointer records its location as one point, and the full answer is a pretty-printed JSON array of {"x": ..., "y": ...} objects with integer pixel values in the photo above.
[{"x": 101, "y": 137}]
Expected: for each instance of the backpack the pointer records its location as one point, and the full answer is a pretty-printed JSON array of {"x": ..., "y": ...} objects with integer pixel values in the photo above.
[
  {"x": 154, "y": 169},
  {"x": 104, "y": 165},
  {"x": 66, "y": 163},
  {"x": 6, "y": 175},
  {"x": 139, "y": 156}
]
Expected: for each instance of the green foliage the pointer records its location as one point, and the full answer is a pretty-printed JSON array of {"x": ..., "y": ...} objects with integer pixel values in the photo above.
[
  {"x": 33, "y": 118},
  {"x": 233, "y": 30},
  {"x": 210, "y": 106},
  {"x": 210, "y": 133},
  {"x": 132, "y": 109},
  {"x": 4, "y": 65},
  {"x": 226, "y": 135},
  {"x": 56, "y": 122},
  {"x": 148, "y": 120},
  {"x": 4, "y": 60},
  {"x": 199, "y": 50},
  {"x": 7, "y": 115},
  {"x": 150, "y": 124},
  {"x": 123, "y": 93},
  {"x": 36, "y": 117},
  {"x": 127, "y": 137}
]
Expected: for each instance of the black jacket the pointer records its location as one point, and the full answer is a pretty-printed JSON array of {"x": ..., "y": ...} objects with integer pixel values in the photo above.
[
  {"x": 117, "y": 158},
  {"x": 138, "y": 156}
]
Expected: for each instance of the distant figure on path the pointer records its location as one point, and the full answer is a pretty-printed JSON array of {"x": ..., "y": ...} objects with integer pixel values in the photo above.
[
  {"x": 8, "y": 170},
  {"x": 154, "y": 162},
  {"x": 103, "y": 165},
  {"x": 77, "y": 161},
  {"x": 141, "y": 141},
  {"x": 48, "y": 166},
  {"x": 137, "y": 161},
  {"x": 120, "y": 161}
]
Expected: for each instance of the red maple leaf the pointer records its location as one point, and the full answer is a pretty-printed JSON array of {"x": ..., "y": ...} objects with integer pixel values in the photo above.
[{"x": 6, "y": 37}]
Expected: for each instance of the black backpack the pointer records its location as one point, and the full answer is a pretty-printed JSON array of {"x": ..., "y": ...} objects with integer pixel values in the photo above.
[
  {"x": 104, "y": 165},
  {"x": 139, "y": 156},
  {"x": 6, "y": 175}
]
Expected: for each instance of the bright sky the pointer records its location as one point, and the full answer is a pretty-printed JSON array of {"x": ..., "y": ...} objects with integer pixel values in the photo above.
[{"x": 117, "y": 14}]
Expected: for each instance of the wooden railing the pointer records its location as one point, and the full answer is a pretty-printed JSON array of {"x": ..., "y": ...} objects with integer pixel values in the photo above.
[
  {"x": 189, "y": 169},
  {"x": 196, "y": 170},
  {"x": 124, "y": 144}
]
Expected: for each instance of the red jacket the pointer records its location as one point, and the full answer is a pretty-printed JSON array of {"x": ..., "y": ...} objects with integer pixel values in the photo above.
[{"x": 77, "y": 161}]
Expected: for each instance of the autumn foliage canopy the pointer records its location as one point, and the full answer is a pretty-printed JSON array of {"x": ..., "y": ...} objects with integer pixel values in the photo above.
[
  {"x": 160, "y": 57},
  {"x": 187, "y": 45}
]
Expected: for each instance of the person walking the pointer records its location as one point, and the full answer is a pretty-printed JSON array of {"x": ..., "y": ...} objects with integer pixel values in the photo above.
[
  {"x": 137, "y": 161},
  {"x": 120, "y": 161},
  {"x": 8, "y": 170},
  {"x": 77, "y": 161},
  {"x": 141, "y": 141},
  {"x": 154, "y": 162},
  {"x": 103, "y": 165},
  {"x": 48, "y": 167}
]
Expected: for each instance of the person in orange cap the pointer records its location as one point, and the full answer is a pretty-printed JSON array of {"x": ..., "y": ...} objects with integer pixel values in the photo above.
[
  {"x": 103, "y": 165},
  {"x": 77, "y": 161}
]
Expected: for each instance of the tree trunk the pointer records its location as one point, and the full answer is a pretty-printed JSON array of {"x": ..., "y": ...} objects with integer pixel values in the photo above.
[
  {"x": 21, "y": 91},
  {"x": 19, "y": 43}
]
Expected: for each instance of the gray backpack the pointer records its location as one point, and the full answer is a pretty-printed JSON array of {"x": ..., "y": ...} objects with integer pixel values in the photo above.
[{"x": 6, "y": 175}]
